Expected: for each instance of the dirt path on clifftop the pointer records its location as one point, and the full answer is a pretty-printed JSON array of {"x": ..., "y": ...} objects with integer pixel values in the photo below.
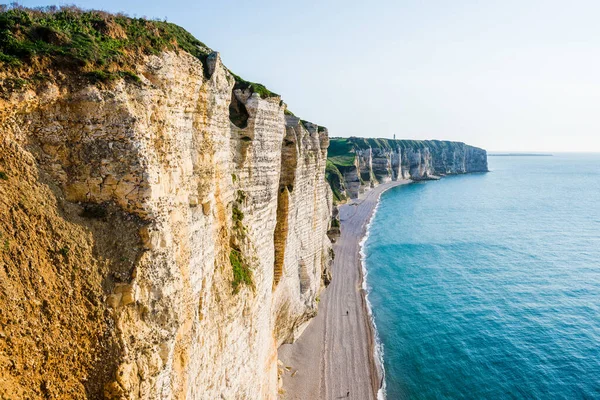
[{"x": 334, "y": 355}]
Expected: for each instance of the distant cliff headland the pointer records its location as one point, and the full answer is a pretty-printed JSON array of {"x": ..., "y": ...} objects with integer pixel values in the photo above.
[
  {"x": 163, "y": 222},
  {"x": 357, "y": 164}
]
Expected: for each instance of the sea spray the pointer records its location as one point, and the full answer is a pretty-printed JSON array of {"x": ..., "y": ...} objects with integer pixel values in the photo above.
[{"x": 378, "y": 348}]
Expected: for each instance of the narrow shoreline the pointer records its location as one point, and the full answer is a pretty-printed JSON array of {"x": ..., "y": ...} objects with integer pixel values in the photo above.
[
  {"x": 376, "y": 360},
  {"x": 337, "y": 353}
]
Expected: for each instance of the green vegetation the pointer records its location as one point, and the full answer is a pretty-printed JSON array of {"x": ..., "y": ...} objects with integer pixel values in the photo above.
[
  {"x": 305, "y": 123},
  {"x": 365, "y": 143},
  {"x": 3, "y": 176},
  {"x": 14, "y": 83},
  {"x": 388, "y": 144},
  {"x": 100, "y": 76},
  {"x": 344, "y": 146},
  {"x": 336, "y": 181},
  {"x": 237, "y": 215},
  {"x": 241, "y": 271},
  {"x": 440, "y": 145},
  {"x": 87, "y": 40},
  {"x": 341, "y": 156},
  {"x": 254, "y": 87},
  {"x": 128, "y": 75},
  {"x": 339, "y": 147},
  {"x": 105, "y": 77},
  {"x": 341, "y": 152},
  {"x": 411, "y": 144},
  {"x": 102, "y": 46},
  {"x": 288, "y": 112},
  {"x": 241, "y": 196}
]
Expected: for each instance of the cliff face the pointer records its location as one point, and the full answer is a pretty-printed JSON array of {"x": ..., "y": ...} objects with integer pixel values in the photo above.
[
  {"x": 302, "y": 253},
  {"x": 160, "y": 239},
  {"x": 357, "y": 164}
]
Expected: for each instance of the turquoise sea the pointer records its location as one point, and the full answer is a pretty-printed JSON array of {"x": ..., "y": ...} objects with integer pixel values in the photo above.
[{"x": 487, "y": 286}]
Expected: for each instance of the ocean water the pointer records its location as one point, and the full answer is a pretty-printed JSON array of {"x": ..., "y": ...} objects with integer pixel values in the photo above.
[{"x": 487, "y": 286}]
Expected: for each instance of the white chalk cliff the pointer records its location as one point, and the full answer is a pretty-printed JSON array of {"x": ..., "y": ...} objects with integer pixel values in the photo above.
[{"x": 177, "y": 198}]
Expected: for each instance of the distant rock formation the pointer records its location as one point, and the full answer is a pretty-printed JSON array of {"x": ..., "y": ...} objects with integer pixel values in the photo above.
[{"x": 355, "y": 165}]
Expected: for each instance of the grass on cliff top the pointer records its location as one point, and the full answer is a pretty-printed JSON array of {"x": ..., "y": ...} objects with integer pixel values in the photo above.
[
  {"x": 254, "y": 87},
  {"x": 306, "y": 125},
  {"x": 389, "y": 144},
  {"x": 365, "y": 143},
  {"x": 434, "y": 145},
  {"x": 101, "y": 45},
  {"x": 386, "y": 144},
  {"x": 87, "y": 40},
  {"x": 341, "y": 152}
]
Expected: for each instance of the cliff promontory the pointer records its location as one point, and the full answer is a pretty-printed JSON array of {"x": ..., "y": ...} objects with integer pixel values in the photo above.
[
  {"x": 357, "y": 164},
  {"x": 162, "y": 222}
]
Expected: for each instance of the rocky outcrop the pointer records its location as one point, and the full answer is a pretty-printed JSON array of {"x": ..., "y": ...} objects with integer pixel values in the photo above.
[
  {"x": 172, "y": 231},
  {"x": 302, "y": 253},
  {"x": 379, "y": 161}
]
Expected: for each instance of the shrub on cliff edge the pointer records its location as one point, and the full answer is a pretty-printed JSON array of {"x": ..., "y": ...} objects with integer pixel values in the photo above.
[
  {"x": 87, "y": 40},
  {"x": 101, "y": 45}
]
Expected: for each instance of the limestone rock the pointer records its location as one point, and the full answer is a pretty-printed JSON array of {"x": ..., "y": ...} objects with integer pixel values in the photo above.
[{"x": 163, "y": 154}]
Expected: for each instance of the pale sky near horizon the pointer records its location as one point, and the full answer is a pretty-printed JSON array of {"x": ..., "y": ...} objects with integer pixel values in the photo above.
[{"x": 511, "y": 75}]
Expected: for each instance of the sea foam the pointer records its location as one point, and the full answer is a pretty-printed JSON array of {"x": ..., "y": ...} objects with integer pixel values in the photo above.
[{"x": 378, "y": 348}]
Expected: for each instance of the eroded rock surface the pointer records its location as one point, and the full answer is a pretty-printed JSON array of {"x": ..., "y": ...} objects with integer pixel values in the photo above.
[{"x": 160, "y": 239}]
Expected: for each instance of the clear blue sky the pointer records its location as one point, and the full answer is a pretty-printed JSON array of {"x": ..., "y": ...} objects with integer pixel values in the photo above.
[{"x": 520, "y": 75}]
